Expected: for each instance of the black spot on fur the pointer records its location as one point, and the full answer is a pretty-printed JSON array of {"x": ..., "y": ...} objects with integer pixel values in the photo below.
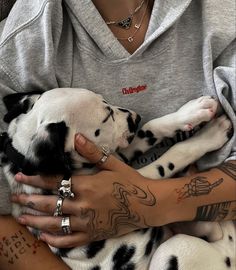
[
  {"x": 124, "y": 158},
  {"x": 230, "y": 238},
  {"x": 15, "y": 106},
  {"x": 144, "y": 230},
  {"x": 155, "y": 238},
  {"x": 130, "y": 266},
  {"x": 4, "y": 160},
  {"x": 154, "y": 233},
  {"x": 63, "y": 252},
  {"x": 230, "y": 133},
  {"x": 161, "y": 170},
  {"x": 130, "y": 139},
  {"x": 94, "y": 247},
  {"x": 122, "y": 257},
  {"x": 173, "y": 263},
  {"x": 159, "y": 235},
  {"x": 186, "y": 169},
  {"x": 97, "y": 132},
  {"x": 11, "y": 100},
  {"x": 123, "y": 110},
  {"x": 227, "y": 262},
  {"x": 16, "y": 111},
  {"x": 149, "y": 134},
  {"x": 133, "y": 124},
  {"x": 87, "y": 165},
  {"x": 141, "y": 134},
  {"x": 137, "y": 154},
  {"x": 148, "y": 248},
  {"x": 14, "y": 169},
  {"x": 205, "y": 238},
  {"x": 50, "y": 152},
  {"x": 96, "y": 268},
  {"x": 151, "y": 141},
  {"x": 171, "y": 166}
]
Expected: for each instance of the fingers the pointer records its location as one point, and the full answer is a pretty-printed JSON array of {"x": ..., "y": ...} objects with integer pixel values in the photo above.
[
  {"x": 94, "y": 154},
  {"x": 42, "y": 204},
  {"x": 51, "y": 224},
  {"x": 67, "y": 241},
  {"x": 45, "y": 182}
]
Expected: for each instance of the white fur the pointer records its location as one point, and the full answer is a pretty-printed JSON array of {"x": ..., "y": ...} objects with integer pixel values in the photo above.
[{"x": 84, "y": 111}]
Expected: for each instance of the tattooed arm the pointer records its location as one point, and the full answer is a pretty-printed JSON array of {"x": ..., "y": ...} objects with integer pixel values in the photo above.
[
  {"x": 118, "y": 200},
  {"x": 206, "y": 196},
  {"x": 20, "y": 250}
]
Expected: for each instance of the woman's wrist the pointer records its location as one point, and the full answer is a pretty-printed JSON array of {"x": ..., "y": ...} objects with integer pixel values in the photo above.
[
  {"x": 204, "y": 196},
  {"x": 161, "y": 209}
]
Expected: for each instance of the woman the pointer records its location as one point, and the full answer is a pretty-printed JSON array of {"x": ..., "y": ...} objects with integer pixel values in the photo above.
[{"x": 162, "y": 53}]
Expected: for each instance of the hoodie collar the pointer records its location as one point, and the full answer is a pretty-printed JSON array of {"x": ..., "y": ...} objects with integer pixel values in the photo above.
[{"x": 164, "y": 15}]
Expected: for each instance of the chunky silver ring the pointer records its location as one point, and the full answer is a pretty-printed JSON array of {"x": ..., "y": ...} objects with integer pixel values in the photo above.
[
  {"x": 65, "y": 225},
  {"x": 64, "y": 190},
  {"x": 106, "y": 153},
  {"x": 58, "y": 210}
]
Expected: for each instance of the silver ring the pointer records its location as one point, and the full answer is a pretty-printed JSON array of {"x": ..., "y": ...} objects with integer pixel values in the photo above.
[
  {"x": 65, "y": 225},
  {"x": 64, "y": 190},
  {"x": 58, "y": 210},
  {"x": 106, "y": 153}
]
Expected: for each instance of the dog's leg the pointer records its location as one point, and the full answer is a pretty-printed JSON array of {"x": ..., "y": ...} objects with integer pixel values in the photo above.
[
  {"x": 211, "y": 137},
  {"x": 186, "y": 118}
]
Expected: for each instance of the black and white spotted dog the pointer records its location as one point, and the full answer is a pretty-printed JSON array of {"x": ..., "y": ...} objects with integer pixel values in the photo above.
[{"x": 40, "y": 140}]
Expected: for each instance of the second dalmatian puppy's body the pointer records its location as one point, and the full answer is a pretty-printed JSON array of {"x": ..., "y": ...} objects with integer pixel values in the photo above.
[{"x": 42, "y": 129}]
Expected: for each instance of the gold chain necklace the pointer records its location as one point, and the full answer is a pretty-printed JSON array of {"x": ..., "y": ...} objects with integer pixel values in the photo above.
[
  {"x": 126, "y": 22},
  {"x": 137, "y": 26}
]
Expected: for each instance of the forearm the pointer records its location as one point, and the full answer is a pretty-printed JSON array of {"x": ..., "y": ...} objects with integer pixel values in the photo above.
[
  {"x": 206, "y": 196},
  {"x": 19, "y": 249}
]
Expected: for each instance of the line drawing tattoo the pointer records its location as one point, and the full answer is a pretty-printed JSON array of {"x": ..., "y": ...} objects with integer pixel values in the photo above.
[
  {"x": 229, "y": 169},
  {"x": 216, "y": 211},
  {"x": 197, "y": 186},
  {"x": 121, "y": 215},
  {"x": 15, "y": 246}
]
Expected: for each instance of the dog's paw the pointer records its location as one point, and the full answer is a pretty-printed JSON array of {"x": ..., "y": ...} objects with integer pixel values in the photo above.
[
  {"x": 215, "y": 134},
  {"x": 196, "y": 112}
]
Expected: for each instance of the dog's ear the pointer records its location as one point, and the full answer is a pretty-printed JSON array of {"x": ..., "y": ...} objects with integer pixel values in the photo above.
[
  {"x": 49, "y": 151},
  {"x": 19, "y": 103}
]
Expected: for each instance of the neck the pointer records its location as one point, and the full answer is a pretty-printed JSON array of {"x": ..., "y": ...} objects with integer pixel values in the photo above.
[{"x": 115, "y": 9}]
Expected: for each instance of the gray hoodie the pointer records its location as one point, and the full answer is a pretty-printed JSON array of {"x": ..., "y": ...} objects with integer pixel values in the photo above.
[{"x": 189, "y": 51}]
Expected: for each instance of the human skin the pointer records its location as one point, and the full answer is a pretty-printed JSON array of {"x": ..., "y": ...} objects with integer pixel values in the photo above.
[
  {"x": 20, "y": 250},
  {"x": 118, "y": 200}
]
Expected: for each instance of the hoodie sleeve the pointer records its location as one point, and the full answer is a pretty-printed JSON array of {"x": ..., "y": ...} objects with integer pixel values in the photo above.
[
  {"x": 219, "y": 60},
  {"x": 7, "y": 86}
]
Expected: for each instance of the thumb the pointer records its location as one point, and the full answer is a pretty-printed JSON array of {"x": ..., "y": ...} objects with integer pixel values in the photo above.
[{"x": 94, "y": 154}]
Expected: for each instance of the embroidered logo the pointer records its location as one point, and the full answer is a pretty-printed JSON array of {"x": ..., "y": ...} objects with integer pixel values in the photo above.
[{"x": 133, "y": 90}]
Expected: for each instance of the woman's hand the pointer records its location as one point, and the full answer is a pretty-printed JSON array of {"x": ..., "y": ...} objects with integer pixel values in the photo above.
[{"x": 112, "y": 202}]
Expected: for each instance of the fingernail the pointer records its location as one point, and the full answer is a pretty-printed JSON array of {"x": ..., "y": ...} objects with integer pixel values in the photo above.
[
  {"x": 18, "y": 177},
  {"x": 80, "y": 140}
]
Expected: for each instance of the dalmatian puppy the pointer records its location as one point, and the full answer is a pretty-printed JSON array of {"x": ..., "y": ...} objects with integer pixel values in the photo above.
[{"x": 40, "y": 140}]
